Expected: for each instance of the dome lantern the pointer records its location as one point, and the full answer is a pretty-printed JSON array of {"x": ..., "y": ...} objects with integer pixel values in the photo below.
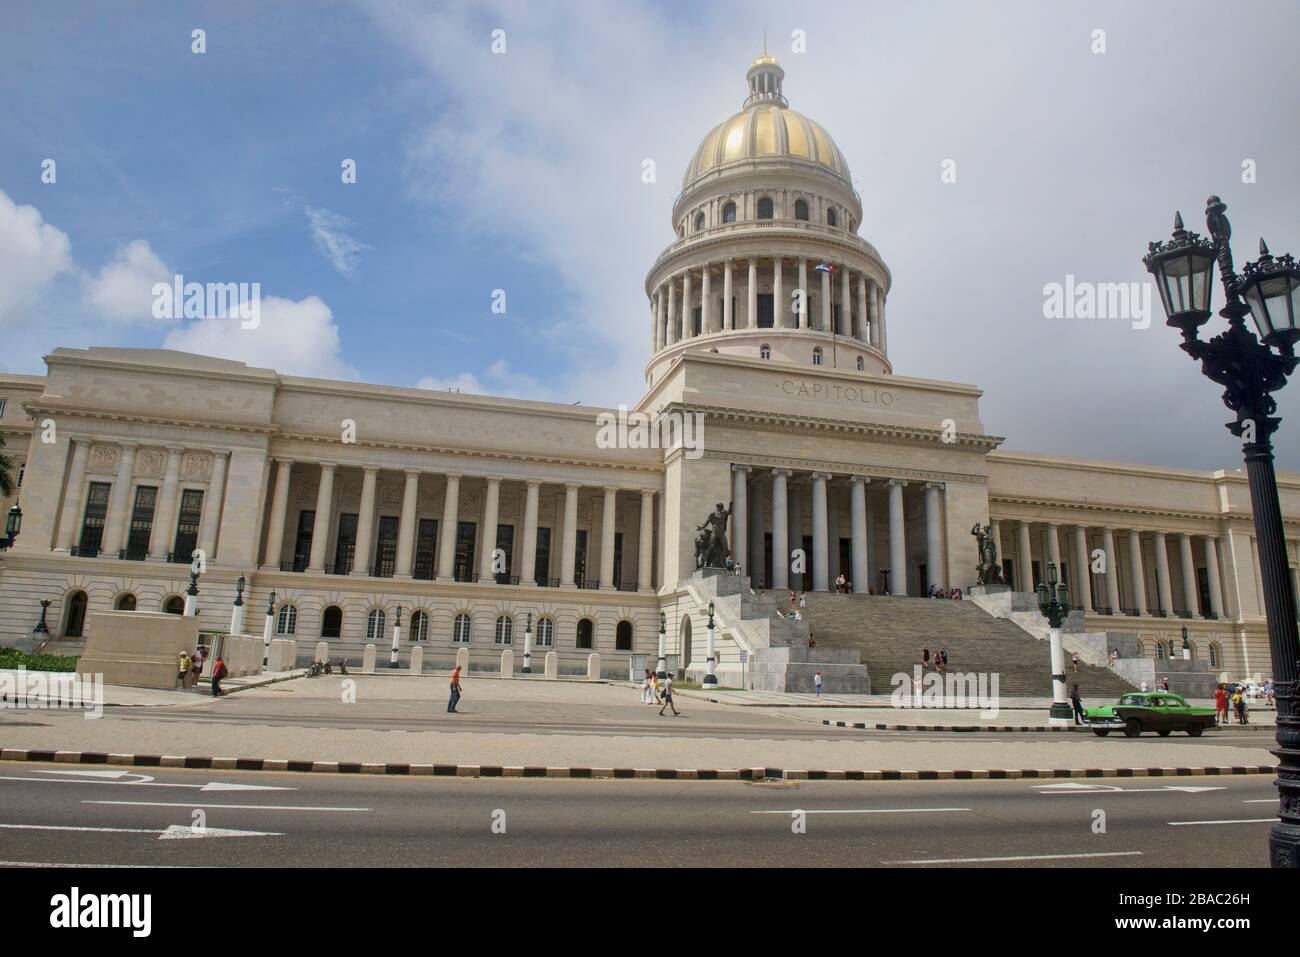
[{"x": 765, "y": 76}]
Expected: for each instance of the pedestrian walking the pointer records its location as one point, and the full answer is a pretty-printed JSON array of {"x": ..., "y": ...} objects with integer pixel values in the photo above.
[
  {"x": 925, "y": 657},
  {"x": 183, "y": 672},
  {"x": 803, "y": 600},
  {"x": 1074, "y": 659},
  {"x": 654, "y": 686},
  {"x": 668, "y": 696},
  {"x": 455, "y": 691},
  {"x": 219, "y": 671},
  {"x": 647, "y": 689},
  {"x": 817, "y": 682},
  {"x": 1221, "y": 704},
  {"x": 1077, "y": 702},
  {"x": 196, "y": 665}
]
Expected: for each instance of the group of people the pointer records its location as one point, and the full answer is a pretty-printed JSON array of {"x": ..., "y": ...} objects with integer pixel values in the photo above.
[
  {"x": 190, "y": 667},
  {"x": 937, "y": 592},
  {"x": 1230, "y": 697},
  {"x": 939, "y": 659},
  {"x": 652, "y": 692}
]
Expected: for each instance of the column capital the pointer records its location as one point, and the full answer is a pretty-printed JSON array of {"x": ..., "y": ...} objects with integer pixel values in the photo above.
[
  {"x": 821, "y": 476},
  {"x": 131, "y": 444},
  {"x": 742, "y": 468},
  {"x": 456, "y": 476},
  {"x": 864, "y": 479},
  {"x": 900, "y": 483},
  {"x": 328, "y": 466},
  {"x": 412, "y": 473},
  {"x": 937, "y": 486},
  {"x": 490, "y": 479},
  {"x": 647, "y": 492},
  {"x": 177, "y": 449},
  {"x": 610, "y": 489},
  {"x": 572, "y": 486},
  {"x": 784, "y": 473},
  {"x": 534, "y": 483},
  {"x": 370, "y": 469},
  {"x": 283, "y": 460}
]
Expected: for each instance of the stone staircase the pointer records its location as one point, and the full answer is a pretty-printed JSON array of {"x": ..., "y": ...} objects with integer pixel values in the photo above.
[
  {"x": 780, "y": 659},
  {"x": 888, "y": 634}
]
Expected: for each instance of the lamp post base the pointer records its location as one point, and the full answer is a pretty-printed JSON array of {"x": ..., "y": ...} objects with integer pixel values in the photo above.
[
  {"x": 1284, "y": 846},
  {"x": 710, "y": 681},
  {"x": 1061, "y": 715}
]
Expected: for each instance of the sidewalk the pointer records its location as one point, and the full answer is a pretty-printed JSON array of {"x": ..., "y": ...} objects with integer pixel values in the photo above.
[{"x": 122, "y": 696}]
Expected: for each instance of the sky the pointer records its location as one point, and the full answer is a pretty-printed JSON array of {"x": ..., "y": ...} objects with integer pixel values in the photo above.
[{"x": 517, "y": 175}]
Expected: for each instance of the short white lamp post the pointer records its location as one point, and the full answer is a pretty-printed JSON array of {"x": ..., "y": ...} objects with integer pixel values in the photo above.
[
  {"x": 711, "y": 679},
  {"x": 528, "y": 645},
  {"x": 237, "y": 611},
  {"x": 1053, "y": 602},
  {"x": 662, "y": 669},
  {"x": 268, "y": 629},
  {"x": 397, "y": 638},
  {"x": 192, "y": 593}
]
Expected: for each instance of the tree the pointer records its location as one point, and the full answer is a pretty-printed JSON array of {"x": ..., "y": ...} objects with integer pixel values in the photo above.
[{"x": 6, "y": 473}]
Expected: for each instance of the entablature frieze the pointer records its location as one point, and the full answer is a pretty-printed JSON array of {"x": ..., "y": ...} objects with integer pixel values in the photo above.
[
  {"x": 1118, "y": 516},
  {"x": 845, "y": 470}
]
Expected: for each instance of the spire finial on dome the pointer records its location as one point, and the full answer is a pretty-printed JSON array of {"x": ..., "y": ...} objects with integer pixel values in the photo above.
[{"x": 765, "y": 76}]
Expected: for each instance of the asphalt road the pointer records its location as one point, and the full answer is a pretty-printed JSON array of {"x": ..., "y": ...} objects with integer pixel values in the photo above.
[{"x": 56, "y": 814}]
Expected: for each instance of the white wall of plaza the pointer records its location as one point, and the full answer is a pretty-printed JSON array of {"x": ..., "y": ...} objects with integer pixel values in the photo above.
[{"x": 809, "y": 433}]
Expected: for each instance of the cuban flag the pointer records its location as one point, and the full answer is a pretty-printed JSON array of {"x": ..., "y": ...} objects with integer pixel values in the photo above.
[{"x": 824, "y": 267}]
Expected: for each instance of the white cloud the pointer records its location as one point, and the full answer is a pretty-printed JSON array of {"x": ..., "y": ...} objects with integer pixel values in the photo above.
[
  {"x": 32, "y": 254},
  {"x": 329, "y": 235},
  {"x": 295, "y": 337},
  {"x": 123, "y": 290}
]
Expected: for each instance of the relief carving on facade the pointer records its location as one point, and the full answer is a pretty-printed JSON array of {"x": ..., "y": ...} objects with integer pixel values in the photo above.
[
  {"x": 103, "y": 458},
  {"x": 196, "y": 466},
  {"x": 149, "y": 463},
  {"x": 390, "y": 495}
]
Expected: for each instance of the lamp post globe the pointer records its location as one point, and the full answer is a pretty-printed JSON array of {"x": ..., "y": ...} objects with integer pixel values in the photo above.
[
  {"x": 1250, "y": 369},
  {"x": 13, "y": 525},
  {"x": 1054, "y": 603}
]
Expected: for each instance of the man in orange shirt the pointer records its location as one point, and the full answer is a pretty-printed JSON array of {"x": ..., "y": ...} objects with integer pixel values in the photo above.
[{"x": 455, "y": 691}]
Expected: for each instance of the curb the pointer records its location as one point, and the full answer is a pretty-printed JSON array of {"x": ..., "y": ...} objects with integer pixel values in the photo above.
[
  {"x": 667, "y": 774},
  {"x": 1075, "y": 729}
]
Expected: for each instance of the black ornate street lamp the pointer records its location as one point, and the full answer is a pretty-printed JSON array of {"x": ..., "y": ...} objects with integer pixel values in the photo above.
[
  {"x": 1250, "y": 370},
  {"x": 13, "y": 525},
  {"x": 42, "y": 626},
  {"x": 1054, "y": 603}
]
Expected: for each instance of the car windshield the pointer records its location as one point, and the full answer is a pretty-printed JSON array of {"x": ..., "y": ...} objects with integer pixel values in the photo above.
[{"x": 1136, "y": 699}]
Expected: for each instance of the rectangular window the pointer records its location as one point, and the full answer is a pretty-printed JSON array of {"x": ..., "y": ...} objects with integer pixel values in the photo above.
[
  {"x": 2, "y": 407},
  {"x": 463, "y": 568},
  {"x": 697, "y": 318},
  {"x": 765, "y": 310},
  {"x": 426, "y": 541},
  {"x": 187, "y": 527},
  {"x": 542, "y": 562},
  {"x": 137, "y": 539},
  {"x": 618, "y": 559},
  {"x": 386, "y": 547},
  {"x": 506, "y": 542},
  {"x": 302, "y": 542},
  {"x": 92, "y": 525},
  {"x": 345, "y": 544},
  {"x": 580, "y": 558},
  {"x": 765, "y": 573}
]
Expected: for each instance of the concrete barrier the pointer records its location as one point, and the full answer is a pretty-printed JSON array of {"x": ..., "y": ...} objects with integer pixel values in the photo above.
[
  {"x": 552, "y": 665},
  {"x": 368, "y": 660},
  {"x": 462, "y": 659},
  {"x": 322, "y": 651},
  {"x": 593, "y": 666},
  {"x": 417, "y": 660},
  {"x": 507, "y": 664},
  {"x": 137, "y": 648},
  {"x": 282, "y": 656}
]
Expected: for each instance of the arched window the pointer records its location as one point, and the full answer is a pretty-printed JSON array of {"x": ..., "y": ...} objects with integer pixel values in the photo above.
[
  {"x": 585, "y": 631},
  {"x": 1214, "y": 655},
  {"x": 125, "y": 602},
  {"x": 861, "y": 365},
  {"x": 332, "y": 622},
  {"x": 765, "y": 208},
  {"x": 817, "y": 356},
  {"x": 1160, "y": 650},
  {"x": 175, "y": 605},
  {"x": 75, "y": 626},
  {"x": 505, "y": 630},
  {"x": 375, "y": 622},
  {"x": 623, "y": 636},
  {"x": 831, "y": 219},
  {"x": 420, "y": 626},
  {"x": 699, "y": 222},
  {"x": 729, "y": 213},
  {"x": 765, "y": 351},
  {"x": 800, "y": 209},
  {"x": 460, "y": 629},
  {"x": 288, "y": 620},
  {"x": 545, "y": 633}
]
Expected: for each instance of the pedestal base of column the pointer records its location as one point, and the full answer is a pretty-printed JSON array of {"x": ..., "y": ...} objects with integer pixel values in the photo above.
[
  {"x": 528, "y": 582},
  {"x": 710, "y": 681},
  {"x": 1060, "y": 715}
]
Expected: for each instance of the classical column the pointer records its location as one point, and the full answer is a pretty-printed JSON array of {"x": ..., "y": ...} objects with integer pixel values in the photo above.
[
  {"x": 1083, "y": 577},
  {"x": 740, "y": 514},
  {"x": 1112, "y": 569},
  {"x": 1163, "y": 586},
  {"x": 873, "y": 312},
  {"x": 884, "y": 325},
  {"x": 645, "y": 558},
  {"x": 820, "y": 555},
  {"x": 361, "y": 552},
  {"x": 1024, "y": 555},
  {"x": 688, "y": 314},
  {"x": 406, "y": 527},
  {"x": 751, "y": 295},
  {"x": 826, "y": 301},
  {"x": 706, "y": 299},
  {"x": 212, "y": 504},
  {"x": 491, "y": 511},
  {"x": 778, "y": 306},
  {"x": 320, "y": 531},
  {"x": 1212, "y": 575},
  {"x": 672, "y": 310},
  {"x": 450, "y": 521},
  {"x": 794, "y": 512},
  {"x": 164, "y": 518},
  {"x": 569, "y": 542},
  {"x": 933, "y": 537},
  {"x": 1135, "y": 571},
  {"x": 657, "y": 317},
  {"x": 528, "y": 564},
  {"x": 609, "y": 514},
  {"x": 858, "y": 525},
  {"x": 70, "y": 523},
  {"x": 119, "y": 502},
  {"x": 846, "y": 304},
  {"x": 279, "y": 509},
  {"x": 728, "y": 320},
  {"x": 780, "y": 528},
  {"x": 861, "y": 332},
  {"x": 803, "y": 292},
  {"x": 1190, "y": 603},
  {"x": 897, "y": 539},
  {"x": 1054, "y": 551},
  {"x": 872, "y": 565},
  {"x": 754, "y": 558}
]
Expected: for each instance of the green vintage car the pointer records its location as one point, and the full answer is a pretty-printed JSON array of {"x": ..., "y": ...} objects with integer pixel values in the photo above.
[{"x": 1158, "y": 711}]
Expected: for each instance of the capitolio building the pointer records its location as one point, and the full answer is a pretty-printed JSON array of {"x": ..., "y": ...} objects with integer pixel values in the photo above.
[{"x": 477, "y": 518}]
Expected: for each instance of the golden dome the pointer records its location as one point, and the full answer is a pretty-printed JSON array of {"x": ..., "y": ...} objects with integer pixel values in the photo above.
[
  {"x": 764, "y": 131},
  {"x": 764, "y": 59}
]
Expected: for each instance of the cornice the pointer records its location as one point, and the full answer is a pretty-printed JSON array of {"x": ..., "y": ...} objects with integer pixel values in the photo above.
[
  {"x": 1116, "y": 508},
  {"x": 844, "y": 470},
  {"x": 54, "y": 405}
]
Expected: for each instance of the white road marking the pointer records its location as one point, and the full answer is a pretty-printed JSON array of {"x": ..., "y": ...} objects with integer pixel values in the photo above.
[
  {"x": 174, "y": 831},
  {"x": 145, "y": 781},
  {"x": 243, "y": 807},
  {"x": 1261, "y": 801},
  {"x": 1071, "y": 788},
  {"x": 878, "y": 810},
  {"x": 68, "y": 827},
  {"x": 90, "y": 774},
  {"x": 113, "y": 866},
  {"x": 180, "y": 831},
  {"x": 1251, "y": 820},
  {"x": 1021, "y": 857}
]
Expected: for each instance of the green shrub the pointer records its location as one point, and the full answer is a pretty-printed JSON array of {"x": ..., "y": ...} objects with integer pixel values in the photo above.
[{"x": 13, "y": 658}]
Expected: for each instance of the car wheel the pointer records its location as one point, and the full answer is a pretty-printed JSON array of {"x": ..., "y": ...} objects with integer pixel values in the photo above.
[
  {"x": 1195, "y": 730},
  {"x": 1132, "y": 728},
  {"x": 1100, "y": 732},
  {"x": 1164, "y": 733}
]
